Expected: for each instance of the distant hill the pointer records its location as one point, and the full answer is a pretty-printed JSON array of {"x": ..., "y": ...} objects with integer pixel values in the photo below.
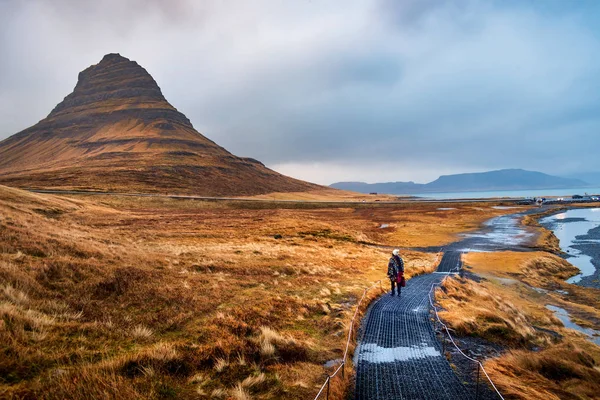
[
  {"x": 117, "y": 132},
  {"x": 505, "y": 179}
]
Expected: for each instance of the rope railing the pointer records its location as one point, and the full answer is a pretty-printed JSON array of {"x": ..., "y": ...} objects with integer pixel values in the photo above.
[
  {"x": 326, "y": 385},
  {"x": 445, "y": 327}
]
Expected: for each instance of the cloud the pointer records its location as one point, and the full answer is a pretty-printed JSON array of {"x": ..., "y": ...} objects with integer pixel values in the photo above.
[{"x": 368, "y": 90}]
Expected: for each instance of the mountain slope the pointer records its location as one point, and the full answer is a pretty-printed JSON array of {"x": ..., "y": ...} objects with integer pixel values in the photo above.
[
  {"x": 117, "y": 132},
  {"x": 506, "y": 179}
]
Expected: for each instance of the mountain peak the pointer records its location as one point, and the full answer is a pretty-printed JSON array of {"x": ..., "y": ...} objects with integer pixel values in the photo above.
[
  {"x": 117, "y": 132},
  {"x": 115, "y": 83},
  {"x": 113, "y": 57}
]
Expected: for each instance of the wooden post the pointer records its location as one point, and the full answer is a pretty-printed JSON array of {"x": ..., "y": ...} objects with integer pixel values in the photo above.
[
  {"x": 477, "y": 390},
  {"x": 443, "y": 344}
]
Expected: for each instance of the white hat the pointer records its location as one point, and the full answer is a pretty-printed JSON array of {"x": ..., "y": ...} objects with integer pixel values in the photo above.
[{"x": 396, "y": 252}]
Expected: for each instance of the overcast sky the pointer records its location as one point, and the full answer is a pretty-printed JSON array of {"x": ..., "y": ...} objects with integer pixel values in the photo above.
[{"x": 341, "y": 90}]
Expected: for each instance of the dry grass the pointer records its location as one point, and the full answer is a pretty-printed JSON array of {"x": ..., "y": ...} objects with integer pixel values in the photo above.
[
  {"x": 489, "y": 311},
  {"x": 546, "y": 240},
  {"x": 535, "y": 268},
  {"x": 565, "y": 371},
  {"x": 110, "y": 297},
  {"x": 543, "y": 358},
  {"x": 325, "y": 194}
]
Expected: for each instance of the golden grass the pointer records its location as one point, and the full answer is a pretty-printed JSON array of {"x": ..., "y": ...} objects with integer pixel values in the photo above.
[
  {"x": 114, "y": 297},
  {"x": 543, "y": 358},
  {"x": 325, "y": 194},
  {"x": 546, "y": 239},
  {"x": 565, "y": 371},
  {"x": 535, "y": 267}
]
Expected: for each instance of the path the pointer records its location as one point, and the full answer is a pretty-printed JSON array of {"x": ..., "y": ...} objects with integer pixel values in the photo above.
[{"x": 399, "y": 356}]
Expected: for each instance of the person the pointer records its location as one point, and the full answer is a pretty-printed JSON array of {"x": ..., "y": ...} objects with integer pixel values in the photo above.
[
  {"x": 395, "y": 268},
  {"x": 540, "y": 201}
]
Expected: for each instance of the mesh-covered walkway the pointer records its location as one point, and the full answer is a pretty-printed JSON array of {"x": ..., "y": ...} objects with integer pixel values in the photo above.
[{"x": 399, "y": 356}]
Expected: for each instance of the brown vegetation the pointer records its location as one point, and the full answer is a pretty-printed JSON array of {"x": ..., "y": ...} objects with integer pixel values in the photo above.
[
  {"x": 543, "y": 359},
  {"x": 104, "y": 296}
]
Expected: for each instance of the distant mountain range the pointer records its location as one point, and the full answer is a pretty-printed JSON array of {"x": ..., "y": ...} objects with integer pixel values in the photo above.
[{"x": 505, "y": 179}]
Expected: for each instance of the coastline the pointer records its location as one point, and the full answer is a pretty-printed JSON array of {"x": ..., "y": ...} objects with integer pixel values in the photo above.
[{"x": 586, "y": 244}]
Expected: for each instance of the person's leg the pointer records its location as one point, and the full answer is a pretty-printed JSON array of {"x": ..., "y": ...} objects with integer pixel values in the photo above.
[{"x": 393, "y": 283}]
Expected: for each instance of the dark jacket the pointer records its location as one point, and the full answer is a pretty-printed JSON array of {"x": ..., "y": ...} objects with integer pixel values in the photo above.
[{"x": 395, "y": 266}]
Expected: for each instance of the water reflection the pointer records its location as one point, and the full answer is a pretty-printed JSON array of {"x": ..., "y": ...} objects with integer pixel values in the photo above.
[{"x": 570, "y": 227}]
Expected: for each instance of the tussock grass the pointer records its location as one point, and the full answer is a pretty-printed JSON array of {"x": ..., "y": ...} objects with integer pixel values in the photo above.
[
  {"x": 253, "y": 381},
  {"x": 149, "y": 298},
  {"x": 141, "y": 332},
  {"x": 239, "y": 392},
  {"x": 542, "y": 358},
  {"x": 218, "y": 393},
  {"x": 566, "y": 370},
  {"x": 483, "y": 310}
]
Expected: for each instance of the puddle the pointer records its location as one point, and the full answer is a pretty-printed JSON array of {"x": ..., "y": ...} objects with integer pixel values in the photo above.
[
  {"x": 563, "y": 316},
  {"x": 584, "y": 263},
  {"x": 504, "y": 207},
  {"x": 500, "y": 232},
  {"x": 571, "y": 227},
  {"x": 539, "y": 290},
  {"x": 383, "y": 226},
  {"x": 371, "y": 352},
  {"x": 446, "y": 208},
  {"x": 506, "y": 281}
]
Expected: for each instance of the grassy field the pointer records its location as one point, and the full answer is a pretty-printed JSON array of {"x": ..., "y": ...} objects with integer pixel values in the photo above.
[
  {"x": 541, "y": 358},
  {"x": 123, "y": 297}
]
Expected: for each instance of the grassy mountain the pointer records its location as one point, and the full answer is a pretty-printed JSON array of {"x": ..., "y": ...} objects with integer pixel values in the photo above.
[
  {"x": 117, "y": 132},
  {"x": 506, "y": 179}
]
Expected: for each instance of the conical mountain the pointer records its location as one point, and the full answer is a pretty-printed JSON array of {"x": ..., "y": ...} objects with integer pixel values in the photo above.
[{"x": 117, "y": 132}]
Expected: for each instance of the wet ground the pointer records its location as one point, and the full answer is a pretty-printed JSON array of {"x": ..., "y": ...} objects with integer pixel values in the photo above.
[
  {"x": 400, "y": 355},
  {"x": 563, "y": 316},
  {"x": 501, "y": 233},
  {"x": 579, "y": 234}
]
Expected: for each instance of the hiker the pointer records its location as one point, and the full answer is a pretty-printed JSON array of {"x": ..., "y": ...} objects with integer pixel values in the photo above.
[
  {"x": 396, "y": 271},
  {"x": 540, "y": 201}
]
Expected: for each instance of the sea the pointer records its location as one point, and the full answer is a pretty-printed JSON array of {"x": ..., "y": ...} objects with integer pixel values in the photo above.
[{"x": 511, "y": 193}]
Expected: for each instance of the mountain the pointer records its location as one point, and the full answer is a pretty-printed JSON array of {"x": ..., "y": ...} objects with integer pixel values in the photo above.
[
  {"x": 117, "y": 132},
  {"x": 505, "y": 179}
]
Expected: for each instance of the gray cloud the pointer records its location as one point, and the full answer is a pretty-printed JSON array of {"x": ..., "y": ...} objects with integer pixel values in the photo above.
[{"x": 372, "y": 90}]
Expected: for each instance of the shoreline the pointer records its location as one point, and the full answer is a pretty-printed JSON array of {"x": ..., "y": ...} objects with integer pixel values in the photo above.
[{"x": 587, "y": 244}]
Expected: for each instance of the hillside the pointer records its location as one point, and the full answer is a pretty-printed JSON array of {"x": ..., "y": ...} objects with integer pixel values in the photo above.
[
  {"x": 506, "y": 179},
  {"x": 117, "y": 132}
]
